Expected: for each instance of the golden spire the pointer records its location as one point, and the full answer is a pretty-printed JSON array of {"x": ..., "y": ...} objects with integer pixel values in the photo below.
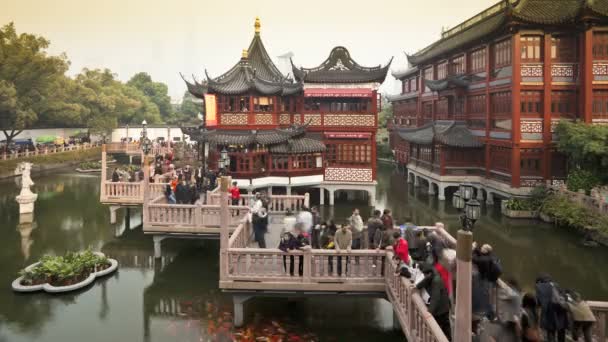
[
  {"x": 257, "y": 25},
  {"x": 245, "y": 53}
]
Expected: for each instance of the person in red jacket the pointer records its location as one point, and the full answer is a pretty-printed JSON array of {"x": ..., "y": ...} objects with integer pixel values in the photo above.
[
  {"x": 235, "y": 194},
  {"x": 401, "y": 248},
  {"x": 445, "y": 275}
]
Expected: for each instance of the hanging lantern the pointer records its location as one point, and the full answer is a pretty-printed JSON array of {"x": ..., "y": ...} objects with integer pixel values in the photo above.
[
  {"x": 466, "y": 191},
  {"x": 473, "y": 210},
  {"x": 457, "y": 200}
]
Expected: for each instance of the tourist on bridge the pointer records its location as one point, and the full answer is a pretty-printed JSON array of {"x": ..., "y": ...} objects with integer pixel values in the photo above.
[
  {"x": 291, "y": 240},
  {"x": 315, "y": 235},
  {"x": 401, "y": 249},
  {"x": 356, "y": 223},
  {"x": 553, "y": 309},
  {"x": 387, "y": 219},
  {"x": 306, "y": 219},
  {"x": 193, "y": 193},
  {"x": 260, "y": 226},
  {"x": 198, "y": 177},
  {"x": 374, "y": 223},
  {"x": 256, "y": 204},
  {"x": 439, "y": 305},
  {"x": 235, "y": 194},
  {"x": 115, "y": 175},
  {"x": 582, "y": 316},
  {"x": 530, "y": 331},
  {"x": 169, "y": 195},
  {"x": 188, "y": 173},
  {"x": 289, "y": 222},
  {"x": 181, "y": 192},
  {"x": 343, "y": 241}
]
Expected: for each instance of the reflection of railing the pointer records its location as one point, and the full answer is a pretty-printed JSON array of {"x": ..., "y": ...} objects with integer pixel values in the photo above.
[{"x": 47, "y": 150}]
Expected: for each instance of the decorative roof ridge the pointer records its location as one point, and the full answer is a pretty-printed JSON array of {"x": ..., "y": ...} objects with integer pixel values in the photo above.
[{"x": 334, "y": 53}]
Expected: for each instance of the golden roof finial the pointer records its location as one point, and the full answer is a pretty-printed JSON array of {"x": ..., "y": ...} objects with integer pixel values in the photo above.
[
  {"x": 245, "y": 53},
  {"x": 257, "y": 25}
]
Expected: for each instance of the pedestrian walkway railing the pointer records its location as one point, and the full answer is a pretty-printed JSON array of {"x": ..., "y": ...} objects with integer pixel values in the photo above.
[
  {"x": 48, "y": 150},
  {"x": 160, "y": 216},
  {"x": 277, "y": 204},
  {"x": 415, "y": 319},
  {"x": 133, "y": 148},
  {"x": 128, "y": 192},
  {"x": 600, "y": 311}
]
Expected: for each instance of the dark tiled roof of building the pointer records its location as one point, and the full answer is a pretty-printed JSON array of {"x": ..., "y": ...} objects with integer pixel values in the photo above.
[
  {"x": 399, "y": 97},
  {"x": 450, "y": 82},
  {"x": 298, "y": 145},
  {"x": 450, "y": 133},
  {"x": 255, "y": 72},
  {"x": 547, "y": 11},
  {"x": 240, "y": 137},
  {"x": 598, "y": 6},
  {"x": 339, "y": 67},
  {"x": 493, "y": 19},
  {"x": 468, "y": 35},
  {"x": 405, "y": 73}
]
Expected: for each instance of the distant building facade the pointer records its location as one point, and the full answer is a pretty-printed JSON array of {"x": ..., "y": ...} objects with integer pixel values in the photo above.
[
  {"x": 481, "y": 104},
  {"x": 315, "y": 129}
]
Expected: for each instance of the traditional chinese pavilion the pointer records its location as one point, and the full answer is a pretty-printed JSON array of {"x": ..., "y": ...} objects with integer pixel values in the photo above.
[
  {"x": 315, "y": 129},
  {"x": 481, "y": 103}
]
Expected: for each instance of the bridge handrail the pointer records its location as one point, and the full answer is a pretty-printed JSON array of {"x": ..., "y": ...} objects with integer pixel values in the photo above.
[
  {"x": 416, "y": 321},
  {"x": 600, "y": 311},
  {"x": 47, "y": 150}
]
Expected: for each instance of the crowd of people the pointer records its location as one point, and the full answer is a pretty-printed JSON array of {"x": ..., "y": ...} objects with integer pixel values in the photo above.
[{"x": 425, "y": 257}]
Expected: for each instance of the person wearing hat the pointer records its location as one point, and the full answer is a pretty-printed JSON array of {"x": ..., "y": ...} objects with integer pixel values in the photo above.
[{"x": 439, "y": 305}]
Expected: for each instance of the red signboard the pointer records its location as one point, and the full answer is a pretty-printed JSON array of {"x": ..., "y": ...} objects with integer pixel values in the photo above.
[
  {"x": 337, "y": 92},
  {"x": 347, "y": 135}
]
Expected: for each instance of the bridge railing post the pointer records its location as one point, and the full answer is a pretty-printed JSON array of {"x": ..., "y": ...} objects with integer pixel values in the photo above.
[
  {"x": 104, "y": 173},
  {"x": 224, "y": 225},
  {"x": 307, "y": 272}
]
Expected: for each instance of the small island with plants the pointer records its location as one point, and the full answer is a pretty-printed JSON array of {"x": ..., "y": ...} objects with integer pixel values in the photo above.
[
  {"x": 65, "y": 273},
  {"x": 91, "y": 166}
]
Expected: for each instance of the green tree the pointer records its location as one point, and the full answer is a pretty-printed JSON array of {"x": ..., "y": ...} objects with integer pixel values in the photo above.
[
  {"x": 585, "y": 145},
  {"x": 187, "y": 111},
  {"x": 157, "y": 93},
  {"x": 29, "y": 76}
]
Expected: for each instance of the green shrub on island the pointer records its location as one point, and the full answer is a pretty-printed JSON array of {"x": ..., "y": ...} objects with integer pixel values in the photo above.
[
  {"x": 68, "y": 269},
  {"x": 581, "y": 179},
  {"x": 521, "y": 204},
  {"x": 90, "y": 165},
  {"x": 567, "y": 212}
]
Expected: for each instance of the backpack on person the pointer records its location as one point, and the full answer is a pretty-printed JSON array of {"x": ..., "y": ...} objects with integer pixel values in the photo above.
[
  {"x": 495, "y": 270},
  {"x": 287, "y": 241},
  {"x": 557, "y": 298}
]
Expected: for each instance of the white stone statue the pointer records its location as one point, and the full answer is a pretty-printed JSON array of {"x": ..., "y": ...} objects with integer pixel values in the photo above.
[{"x": 26, "y": 197}]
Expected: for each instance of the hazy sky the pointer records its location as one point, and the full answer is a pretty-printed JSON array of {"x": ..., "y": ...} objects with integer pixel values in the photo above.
[{"x": 166, "y": 37}]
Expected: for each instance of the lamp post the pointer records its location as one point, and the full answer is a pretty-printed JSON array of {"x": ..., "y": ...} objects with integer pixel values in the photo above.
[
  {"x": 224, "y": 161},
  {"x": 463, "y": 200},
  {"x": 145, "y": 143}
]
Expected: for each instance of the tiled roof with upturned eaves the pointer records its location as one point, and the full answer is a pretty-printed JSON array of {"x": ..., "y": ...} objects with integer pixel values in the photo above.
[
  {"x": 450, "y": 133},
  {"x": 339, "y": 67}
]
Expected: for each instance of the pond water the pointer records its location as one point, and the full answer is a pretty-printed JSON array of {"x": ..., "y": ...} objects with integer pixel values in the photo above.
[{"x": 176, "y": 298}]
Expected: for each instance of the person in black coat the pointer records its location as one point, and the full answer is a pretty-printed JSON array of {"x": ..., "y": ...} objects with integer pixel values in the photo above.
[
  {"x": 439, "y": 305},
  {"x": 181, "y": 193},
  {"x": 553, "y": 316},
  {"x": 115, "y": 175}
]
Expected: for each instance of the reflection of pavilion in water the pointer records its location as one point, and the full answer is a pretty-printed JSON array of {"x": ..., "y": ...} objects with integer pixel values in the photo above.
[{"x": 179, "y": 294}]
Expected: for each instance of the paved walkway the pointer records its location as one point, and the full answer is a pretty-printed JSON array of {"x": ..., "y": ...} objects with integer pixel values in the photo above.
[{"x": 273, "y": 236}]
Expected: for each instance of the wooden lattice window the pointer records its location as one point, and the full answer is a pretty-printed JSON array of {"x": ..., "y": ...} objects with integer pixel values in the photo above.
[
  {"x": 500, "y": 159},
  {"x": 457, "y": 66},
  {"x": 531, "y": 49},
  {"x": 600, "y": 45},
  {"x": 564, "y": 104},
  {"x": 564, "y": 49},
  {"x": 500, "y": 103},
  {"x": 530, "y": 163},
  {"x": 478, "y": 61},
  {"x": 477, "y": 112},
  {"x": 442, "y": 70},
  {"x": 502, "y": 53},
  {"x": 428, "y": 73},
  {"x": 600, "y": 104},
  {"x": 531, "y": 103}
]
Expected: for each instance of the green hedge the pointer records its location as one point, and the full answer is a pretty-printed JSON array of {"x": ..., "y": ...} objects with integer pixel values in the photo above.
[
  {"x": 573, "y": 214},
  {"x": 8, "y": 166}
]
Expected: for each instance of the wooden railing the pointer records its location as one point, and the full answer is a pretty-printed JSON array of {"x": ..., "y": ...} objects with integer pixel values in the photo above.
[{"x": 48, "y": 150}]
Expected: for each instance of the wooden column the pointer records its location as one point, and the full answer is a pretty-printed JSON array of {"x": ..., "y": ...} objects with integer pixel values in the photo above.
[
  {"x": 547, "y": 93},
  {"x": 463, "y": 327},
  {"x": 587, "y": 73},
  {"x": 515, "y": 108},
  {"x": 488, "y": 110},
  {"x": 104, "y": 172}
]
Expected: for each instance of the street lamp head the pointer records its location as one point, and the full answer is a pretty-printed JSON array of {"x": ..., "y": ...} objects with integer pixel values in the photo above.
[
  {"x": 466, "y": 191},
  {"x": 457, "y": 200},
  {"x": 144, "y": 123},
  {"x": 473, "y": 210}
]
